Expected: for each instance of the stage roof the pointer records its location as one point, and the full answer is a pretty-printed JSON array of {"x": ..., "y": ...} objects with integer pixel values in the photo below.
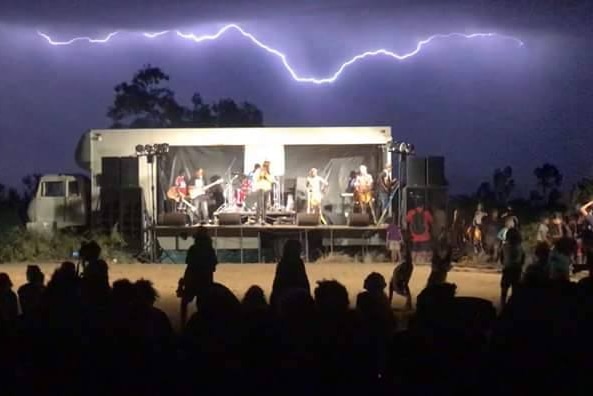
[{"x": 122, "y": 142}]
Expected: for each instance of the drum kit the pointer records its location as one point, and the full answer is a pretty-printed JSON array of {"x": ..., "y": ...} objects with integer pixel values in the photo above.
[{"x": 241, "y": 197}]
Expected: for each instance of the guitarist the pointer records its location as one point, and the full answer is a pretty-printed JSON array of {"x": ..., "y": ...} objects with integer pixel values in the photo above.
[
  {"x": 363, "y": 190},
  {"x": 180, "y": 189},
  {"x": 385, "y": 186},
  {"x": 201, "y": 200}
]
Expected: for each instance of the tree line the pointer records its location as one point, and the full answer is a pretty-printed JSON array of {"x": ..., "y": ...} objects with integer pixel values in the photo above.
[{"x": 147, "y": 102}]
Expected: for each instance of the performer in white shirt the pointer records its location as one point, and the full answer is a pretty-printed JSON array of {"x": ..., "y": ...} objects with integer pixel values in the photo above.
[
  {"x": 363, "y": 191},
  {"x": 316, "y": 186},
  {"x": 262, "y": 184}
]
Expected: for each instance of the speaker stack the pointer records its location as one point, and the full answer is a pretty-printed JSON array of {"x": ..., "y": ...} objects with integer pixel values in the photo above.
[{"x": 425, "y": 183}]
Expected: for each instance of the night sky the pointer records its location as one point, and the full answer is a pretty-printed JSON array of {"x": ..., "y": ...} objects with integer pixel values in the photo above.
[{"x": 482, "y": 103}]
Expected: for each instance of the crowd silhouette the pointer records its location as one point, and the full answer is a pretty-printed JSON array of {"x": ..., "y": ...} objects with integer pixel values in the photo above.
[{"x": 81, "y": 333}]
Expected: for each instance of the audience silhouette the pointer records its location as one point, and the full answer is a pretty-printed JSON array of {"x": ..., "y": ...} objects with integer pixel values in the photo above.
[
  {"x": 81, "y": 334},
  {"x": 290, "y": 273},
  {"x": 199, "y": 275}
]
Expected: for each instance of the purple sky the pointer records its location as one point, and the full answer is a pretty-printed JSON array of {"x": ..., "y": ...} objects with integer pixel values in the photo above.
[{"x": 483, "y": 104}]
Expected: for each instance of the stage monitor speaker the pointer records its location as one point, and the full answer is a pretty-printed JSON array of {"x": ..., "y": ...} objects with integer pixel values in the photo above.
[
  {"x": 336, "y": 218},
  {"x": 110, "y": 172},
  {"x": 359, "y": 219},
  {"x": 435, "y": 171},
  {"x": 308, "y": 219},
  {"x": 128, "y": 176},
  {"x": 173, "y": 219},
  {"x": 229, "y": 219},
  {"x": 416, "y": 171}
]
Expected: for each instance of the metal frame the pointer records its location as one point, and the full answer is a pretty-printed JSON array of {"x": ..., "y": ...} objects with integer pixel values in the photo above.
[{"x": 365, "y": 233}]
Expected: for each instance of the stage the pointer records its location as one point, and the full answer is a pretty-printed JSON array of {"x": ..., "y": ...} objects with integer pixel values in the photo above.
[{"x": 255, "y": 237}]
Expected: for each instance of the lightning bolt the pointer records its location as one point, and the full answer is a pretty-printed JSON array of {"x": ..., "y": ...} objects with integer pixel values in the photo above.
[{"x": 282, "y": 56}]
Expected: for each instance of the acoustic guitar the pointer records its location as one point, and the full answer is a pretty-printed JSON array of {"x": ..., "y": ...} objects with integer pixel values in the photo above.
[{"x": 174, "y": 193}]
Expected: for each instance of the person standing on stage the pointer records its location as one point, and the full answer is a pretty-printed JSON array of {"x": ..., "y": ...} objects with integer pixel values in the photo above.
[
  {"x": 180, "y": 188},
  {"x": 263, "y": 182},
  {"x": 201, "y": 199},
  {"x": 315, "y": 187},
  {"x": 251, "y": 176},
  {"x": 363, "y": 190},
  {"x": 385, "y": 184},
  {"x": 351, "y": 182}
]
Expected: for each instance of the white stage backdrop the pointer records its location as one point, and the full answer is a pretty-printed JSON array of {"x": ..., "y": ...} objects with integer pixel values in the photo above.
[{"x": 257, "y": 154}]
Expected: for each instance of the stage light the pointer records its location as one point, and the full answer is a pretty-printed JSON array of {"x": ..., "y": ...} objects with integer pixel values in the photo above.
[
  {"x": 149, "y": 149},
  {"x": 401, "y": 148},
  {"x": 139, "y": 149}
]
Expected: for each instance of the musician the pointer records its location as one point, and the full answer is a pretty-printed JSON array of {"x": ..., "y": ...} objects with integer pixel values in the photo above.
[
  {"x": 363, "y": 190},
  {"x": 180, "y": 188},
  {"x": 251, "y": 175},
  {"x": 201, "y": 201},
  {"x": 351, "y": 182},
  {"x": 315, "y": 188},
  {"x": 262, "y": 184},
  {"x": 385, "y": 184}
]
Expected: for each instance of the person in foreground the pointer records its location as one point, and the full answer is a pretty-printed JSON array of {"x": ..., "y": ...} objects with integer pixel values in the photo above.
[
  {"x": 513, "y": 262},
  {"x": 201, "y": 263},
  {"x": 290, "y": 273}
]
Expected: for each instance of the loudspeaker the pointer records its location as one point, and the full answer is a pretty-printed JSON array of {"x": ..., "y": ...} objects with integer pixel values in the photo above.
[
  {"x": 123, "y": 208},
  {"x": 431, "y": 198},
  {"x": 110, "y": 172},
  {"x": 128, "y": 176},
  {"x": 359, "y": 220},
  {"x": 307, "y": 219},
  {"x": 435, "y": 171},
  {"x": 229, "y": 219},
  {"x": 416, "y": 171},
  {"x": 173, "y": 219},
  {"x": 336, "y": 218},
  {"x": 119, "y": 172}
]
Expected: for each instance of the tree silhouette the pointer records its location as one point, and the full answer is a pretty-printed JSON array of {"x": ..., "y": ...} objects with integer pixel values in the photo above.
[
  {"x": 146, "y": 102},
  {"x": 548, "y": 177},
  {"x": 485, "y": 193},
  {"x": 503, "y": 183}
]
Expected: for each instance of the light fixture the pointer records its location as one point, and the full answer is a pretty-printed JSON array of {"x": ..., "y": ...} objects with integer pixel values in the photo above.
[
  {"x": 402, "y": 148},
  {"x": 152, "y": 150}
]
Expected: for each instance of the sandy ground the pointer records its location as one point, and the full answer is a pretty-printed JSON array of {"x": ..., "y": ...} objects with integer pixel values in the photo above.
[{"x": 238, "y": 277}]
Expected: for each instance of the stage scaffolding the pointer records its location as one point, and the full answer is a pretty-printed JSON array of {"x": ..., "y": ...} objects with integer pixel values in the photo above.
[{"x": 249, "y": 237}]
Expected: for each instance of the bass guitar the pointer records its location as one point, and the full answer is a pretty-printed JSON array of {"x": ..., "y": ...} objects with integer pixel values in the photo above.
[{"x": 195, "y": 192}]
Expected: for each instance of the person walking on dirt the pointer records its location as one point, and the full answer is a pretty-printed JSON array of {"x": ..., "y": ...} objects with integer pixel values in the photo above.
[{"x": 199, "y": 274}]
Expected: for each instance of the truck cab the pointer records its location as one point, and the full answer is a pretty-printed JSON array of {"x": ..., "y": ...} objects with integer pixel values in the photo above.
[{"x": 60, "y": 202}]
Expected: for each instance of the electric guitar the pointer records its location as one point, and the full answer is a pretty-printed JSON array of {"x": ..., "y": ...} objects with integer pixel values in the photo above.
[{"x": 195, "y": 192}]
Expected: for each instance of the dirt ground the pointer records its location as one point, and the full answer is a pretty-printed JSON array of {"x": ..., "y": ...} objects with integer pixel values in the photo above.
[{"x": 238, "y": 277}]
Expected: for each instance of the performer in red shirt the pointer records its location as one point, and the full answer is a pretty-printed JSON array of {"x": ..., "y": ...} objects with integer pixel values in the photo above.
[{"x": 419, "y": 221}]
